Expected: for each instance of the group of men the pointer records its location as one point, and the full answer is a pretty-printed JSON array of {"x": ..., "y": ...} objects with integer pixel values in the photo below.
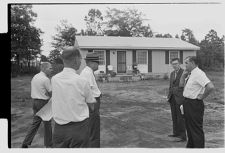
[
  {"x": 188, "y": 88},
  {"x": 75, "y": 103}
]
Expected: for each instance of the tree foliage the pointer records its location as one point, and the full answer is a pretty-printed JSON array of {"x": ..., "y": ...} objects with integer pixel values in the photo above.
[
  {"x": 164, "y": 36},
  {"x": 25, "y": 37},
  {"x": 127, "y": 22},
  {"x": 65, "y": 35},
  {"x": 94, "y": 22},
  {"x": 211, "y": 54}
]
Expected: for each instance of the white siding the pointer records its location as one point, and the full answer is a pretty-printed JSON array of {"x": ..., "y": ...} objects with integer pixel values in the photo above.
[
  {"x": 113, "y": 59},
  {"x": 129, "y": 59},
  {"x": 158, "y": 62}
]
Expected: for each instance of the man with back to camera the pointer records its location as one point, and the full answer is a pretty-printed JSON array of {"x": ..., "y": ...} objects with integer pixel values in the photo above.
[
  {"x": 92, "y": 62},
  {"x": 40, "y": 93},
  {"x": 175, "y": 98},
  {"x": 71, "y": 100},
  {"x": 197, "y": 87}
]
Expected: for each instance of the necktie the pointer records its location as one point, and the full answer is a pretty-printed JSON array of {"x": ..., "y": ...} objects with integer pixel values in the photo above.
[{"x": 186, "y": 79}]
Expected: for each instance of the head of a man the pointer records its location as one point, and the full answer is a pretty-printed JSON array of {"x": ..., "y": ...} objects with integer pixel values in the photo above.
[
  {"x": 71, "y": 57},
  {"x": 46, "y": 67},
  {"x": 190, "y": 63},
  {"x": 175, "y": 62},
  {"x": 92, "y": 60}
]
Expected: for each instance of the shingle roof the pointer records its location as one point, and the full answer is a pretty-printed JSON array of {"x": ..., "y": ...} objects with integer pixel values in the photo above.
[{"x": 109, "y": 42}]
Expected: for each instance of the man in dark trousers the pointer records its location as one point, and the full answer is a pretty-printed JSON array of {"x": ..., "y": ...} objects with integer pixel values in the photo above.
[
  {"x": 40, "y": 93},
  {"x": 197, "y": 87},
  {"x": 71, "y": 100},
  {"x": 175, "y": 98},
  {"x": 92, "y": 62}
]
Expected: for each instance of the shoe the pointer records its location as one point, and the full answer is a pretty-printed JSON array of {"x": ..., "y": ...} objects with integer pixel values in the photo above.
[
  {"x": 172, "y": 135},
  {"x": 24, "y": 146}
]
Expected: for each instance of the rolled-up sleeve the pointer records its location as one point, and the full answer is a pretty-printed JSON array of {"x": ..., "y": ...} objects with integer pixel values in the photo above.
[
  {"x": 203, "y": 80},
  {"x": 88, "y": 94}
]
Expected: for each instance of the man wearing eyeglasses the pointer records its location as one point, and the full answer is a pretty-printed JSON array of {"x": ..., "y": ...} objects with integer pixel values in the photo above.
[{"x": 175, "y": 98}]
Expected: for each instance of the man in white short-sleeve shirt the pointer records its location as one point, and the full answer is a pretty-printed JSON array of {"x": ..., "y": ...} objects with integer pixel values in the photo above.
[
  {"x": 92, "y": 62},
  {"x": 197, "y": 87},
  {"x": 40, "y": 93},
  {"x": 71, "y": 100}
]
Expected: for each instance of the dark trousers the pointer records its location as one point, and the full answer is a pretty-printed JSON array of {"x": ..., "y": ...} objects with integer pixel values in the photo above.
[
  {"x": 177, "y": 118},
  {"x": 193, "y": 113},
  {"x": 94, "y": 126},
  {"x": 71, "y": 135},
  {"x": 37, "y": 105}
]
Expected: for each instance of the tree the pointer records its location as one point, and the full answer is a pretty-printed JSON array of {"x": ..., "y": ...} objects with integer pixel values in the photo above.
[
  {"x": 187, "y": 35},
  {"x": 164, "y": 36},
  {"x": 44, "y": 58},
  {"x": 94, "y": 21},
  {"x": 54, "y": 55},
  {"x": 127, "y": 22},
  {"x": 65, "y": 35},
  {"x": 212, "y": 50},
  {"x": 177, "y": 36},
  {"x": 25, "y": 38}
]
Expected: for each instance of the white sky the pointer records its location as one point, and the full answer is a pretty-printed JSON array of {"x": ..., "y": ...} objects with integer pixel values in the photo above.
[{"x": 164, "y": 18}]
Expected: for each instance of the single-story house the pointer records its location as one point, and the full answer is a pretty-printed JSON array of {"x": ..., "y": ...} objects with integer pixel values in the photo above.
[{"x": 152, "y": 55}]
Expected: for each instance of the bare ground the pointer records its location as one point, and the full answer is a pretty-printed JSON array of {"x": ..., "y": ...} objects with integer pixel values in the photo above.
[{"x": 133, "y": 114}]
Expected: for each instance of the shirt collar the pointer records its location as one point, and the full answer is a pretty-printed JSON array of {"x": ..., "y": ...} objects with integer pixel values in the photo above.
[
  {"x": 68, "y": 69},
  {"x": 194, "y": 70},
  {"x": 42, "y": 73}
]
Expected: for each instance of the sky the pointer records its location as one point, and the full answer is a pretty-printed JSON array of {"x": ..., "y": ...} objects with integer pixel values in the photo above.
[{"x": 163, "y": 18}]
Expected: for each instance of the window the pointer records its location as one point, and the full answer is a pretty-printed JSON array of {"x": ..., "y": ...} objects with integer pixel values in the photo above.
[
  {"x": 101, "y": 54},
  {"x": 174, "y": 54},
  {"x": 141, "y": 57}
]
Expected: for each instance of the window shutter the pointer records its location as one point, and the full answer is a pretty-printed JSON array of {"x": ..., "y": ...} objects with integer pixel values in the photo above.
[
  {"x": 181, "y": 56},
  {"x": 166, "y": 57}
]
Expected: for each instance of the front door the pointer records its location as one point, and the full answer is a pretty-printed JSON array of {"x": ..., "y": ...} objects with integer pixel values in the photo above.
[{"x": 121, "y": 61}]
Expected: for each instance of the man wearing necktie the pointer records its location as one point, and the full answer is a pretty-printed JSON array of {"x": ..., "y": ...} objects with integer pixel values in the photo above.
[
  {"x": 92, "y": 62},
  {"x": 197, "y": 87},
  {"x": 175, "y": 98}
]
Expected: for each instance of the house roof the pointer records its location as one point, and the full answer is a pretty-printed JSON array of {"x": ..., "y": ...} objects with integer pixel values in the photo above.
[{"x": 112, "y": 42}]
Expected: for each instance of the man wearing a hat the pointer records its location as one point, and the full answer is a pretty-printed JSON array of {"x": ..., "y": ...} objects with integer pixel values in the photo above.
[{"x": 92, "y": 62}]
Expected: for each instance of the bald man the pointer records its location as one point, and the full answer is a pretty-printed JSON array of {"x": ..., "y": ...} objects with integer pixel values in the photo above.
[
  {"x": 71, "y": 100},
  {"x": 40, "y": 93}
]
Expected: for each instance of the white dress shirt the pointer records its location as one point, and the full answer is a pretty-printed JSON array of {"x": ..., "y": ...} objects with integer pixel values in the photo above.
[
  {"x": 70, "y": 95},
  {"x": 195, "y": 84},
  {"x": 40, "y": 86},
  {"x": 88, "y": 74}
]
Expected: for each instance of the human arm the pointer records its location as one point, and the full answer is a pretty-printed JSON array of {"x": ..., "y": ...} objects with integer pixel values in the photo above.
[{"x": 208, "y": 89}]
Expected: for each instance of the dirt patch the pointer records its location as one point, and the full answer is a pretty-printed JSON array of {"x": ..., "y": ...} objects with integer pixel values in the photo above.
[{"x": 133, "y": 114}]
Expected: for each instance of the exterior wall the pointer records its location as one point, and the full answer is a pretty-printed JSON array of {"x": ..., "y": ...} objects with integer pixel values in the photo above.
[
  {"x": 129, "y": 59},
  {"x": 113, "y": 59},
  {"x": 158, "y": 62}
]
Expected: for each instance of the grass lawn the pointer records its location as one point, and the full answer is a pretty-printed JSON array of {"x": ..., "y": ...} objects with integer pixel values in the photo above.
[{"x": 133, "y": 114}]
